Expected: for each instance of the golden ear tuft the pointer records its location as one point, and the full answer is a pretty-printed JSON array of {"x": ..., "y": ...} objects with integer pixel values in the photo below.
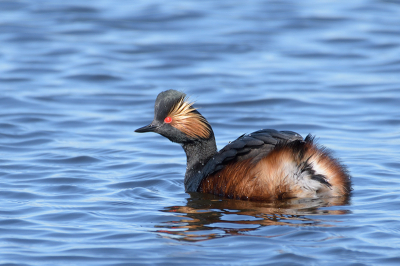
[{"x": 189, "y": 122}]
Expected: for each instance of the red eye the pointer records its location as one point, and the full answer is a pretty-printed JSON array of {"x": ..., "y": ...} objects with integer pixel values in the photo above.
[{"x": 168, "y": 120}]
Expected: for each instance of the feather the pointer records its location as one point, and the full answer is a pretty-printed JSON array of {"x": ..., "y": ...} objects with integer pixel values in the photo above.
[{"x": 186, "y": 119}]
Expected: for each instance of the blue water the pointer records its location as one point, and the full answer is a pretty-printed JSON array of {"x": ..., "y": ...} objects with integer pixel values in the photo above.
[{"x": 79, "y": 187}]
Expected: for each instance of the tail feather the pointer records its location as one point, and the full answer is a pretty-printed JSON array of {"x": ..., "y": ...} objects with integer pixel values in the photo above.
[{"x": 307, "y": 169}]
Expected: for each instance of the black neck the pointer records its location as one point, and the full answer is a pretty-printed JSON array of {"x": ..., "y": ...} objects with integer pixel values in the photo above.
[{"x": 198, "y": 153}]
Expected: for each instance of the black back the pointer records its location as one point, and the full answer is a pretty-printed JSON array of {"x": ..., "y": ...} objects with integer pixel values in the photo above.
[{"x": 255, "y": 145}]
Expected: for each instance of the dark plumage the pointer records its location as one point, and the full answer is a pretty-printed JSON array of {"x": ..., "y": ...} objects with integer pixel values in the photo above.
[{"x": 264, "y": 165}]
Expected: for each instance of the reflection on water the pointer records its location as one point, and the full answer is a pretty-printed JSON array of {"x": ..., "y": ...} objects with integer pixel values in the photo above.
[{"x": 207, "y": 216}]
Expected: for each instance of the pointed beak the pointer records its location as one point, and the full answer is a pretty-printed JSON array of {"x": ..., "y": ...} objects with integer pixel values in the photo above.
[{"x": 148, "y": 128}]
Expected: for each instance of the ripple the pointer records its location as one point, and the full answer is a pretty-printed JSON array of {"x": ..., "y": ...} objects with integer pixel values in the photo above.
[
  {"x": 79, "y": 160},
  {"x": 93, "y": 77},
  {"x": 19, "y": 195}
]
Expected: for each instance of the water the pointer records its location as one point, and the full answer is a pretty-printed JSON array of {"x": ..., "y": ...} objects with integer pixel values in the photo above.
[{"x": 79, "y": 187}]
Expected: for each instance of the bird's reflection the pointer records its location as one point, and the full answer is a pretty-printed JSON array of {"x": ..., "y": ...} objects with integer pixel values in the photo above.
[{"x": 207, "y": 216}]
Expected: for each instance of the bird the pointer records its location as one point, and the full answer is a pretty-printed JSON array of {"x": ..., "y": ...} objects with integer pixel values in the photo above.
[{"x": 263, "y": 165}]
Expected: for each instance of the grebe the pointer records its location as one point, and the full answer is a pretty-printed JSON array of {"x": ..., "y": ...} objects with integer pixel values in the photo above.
[{"x": 264, "y": 165}]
